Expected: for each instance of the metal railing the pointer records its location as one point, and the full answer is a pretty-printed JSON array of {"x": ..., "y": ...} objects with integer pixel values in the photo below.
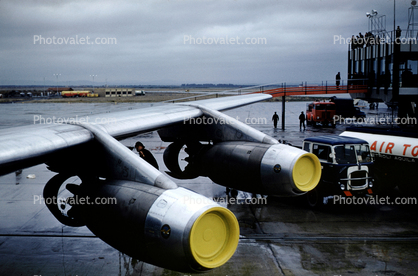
[{"x": 283, "y": 89}]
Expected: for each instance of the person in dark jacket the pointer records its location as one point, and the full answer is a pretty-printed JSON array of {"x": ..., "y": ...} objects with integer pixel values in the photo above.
[
  {"x": 302, "y": 119},
  {"x": 146, "y": 154},
  {"x": 338, "y": 80},
  {"x": 275, "y": 119}
]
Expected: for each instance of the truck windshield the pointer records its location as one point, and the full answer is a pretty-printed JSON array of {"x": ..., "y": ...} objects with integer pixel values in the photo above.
[
  {"x": 350, "y": 154},
  {"x": 325, "y": 107},
  {"x": 363, "y": 153}
]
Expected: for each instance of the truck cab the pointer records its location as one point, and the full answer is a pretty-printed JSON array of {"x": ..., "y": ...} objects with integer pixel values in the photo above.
[
  {"x": 347, "y": 167},
  {"x": 345, "y": 108},
  {"x": 320, "y": 112}
]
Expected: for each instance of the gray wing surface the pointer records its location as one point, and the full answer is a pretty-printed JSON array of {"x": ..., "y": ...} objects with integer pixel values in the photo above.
[{"x": 26, "y": 146}]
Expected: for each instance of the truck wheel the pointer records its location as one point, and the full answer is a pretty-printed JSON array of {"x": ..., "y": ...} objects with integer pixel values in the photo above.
[{"x": 313, "y": 198}]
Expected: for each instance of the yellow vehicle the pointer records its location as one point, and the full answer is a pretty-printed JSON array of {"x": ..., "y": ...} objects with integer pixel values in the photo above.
[{"x": 72, "y": 94}]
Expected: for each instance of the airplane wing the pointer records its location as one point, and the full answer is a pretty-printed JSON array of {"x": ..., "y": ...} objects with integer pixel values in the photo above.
[
  {"x": 150, "y": 218},
  {"x": 26, "y": 146}
]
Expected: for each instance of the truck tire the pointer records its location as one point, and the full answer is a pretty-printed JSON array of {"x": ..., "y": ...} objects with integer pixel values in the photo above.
[{"x": 314, "y": 198}]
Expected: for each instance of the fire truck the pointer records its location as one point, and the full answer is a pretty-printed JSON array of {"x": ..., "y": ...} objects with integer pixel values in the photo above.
[{"x": 320, "y": 113}]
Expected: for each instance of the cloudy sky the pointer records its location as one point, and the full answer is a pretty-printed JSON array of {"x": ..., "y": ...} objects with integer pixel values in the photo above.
[{"x": 182, "y": 41}]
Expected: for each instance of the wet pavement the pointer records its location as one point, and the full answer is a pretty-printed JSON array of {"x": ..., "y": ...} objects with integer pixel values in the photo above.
[{"x": 279, "y": 236}]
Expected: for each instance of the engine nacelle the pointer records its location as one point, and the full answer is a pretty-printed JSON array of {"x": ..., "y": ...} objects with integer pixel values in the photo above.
[
  {"x": 277, "y": 169},
  {"x": 175, "y": 229}
]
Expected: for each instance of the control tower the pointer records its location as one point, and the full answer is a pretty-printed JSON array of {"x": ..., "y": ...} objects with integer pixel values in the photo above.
[{"x": 387, "y": 61}]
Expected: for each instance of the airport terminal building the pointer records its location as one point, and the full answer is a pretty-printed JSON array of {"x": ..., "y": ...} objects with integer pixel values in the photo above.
[{"x": 115, "y": 92}]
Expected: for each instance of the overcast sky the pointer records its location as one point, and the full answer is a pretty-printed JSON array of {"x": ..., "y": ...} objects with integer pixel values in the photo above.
[{"x": 181, "y": 41}]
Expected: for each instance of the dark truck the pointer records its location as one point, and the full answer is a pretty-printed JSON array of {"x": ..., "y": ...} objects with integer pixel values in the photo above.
[
  {"x": 347, "y": 168},
  {"x": 345, "y": 108}
]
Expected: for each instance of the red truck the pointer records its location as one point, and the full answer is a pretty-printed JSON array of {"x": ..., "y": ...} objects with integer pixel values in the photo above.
[{"x": 320, "y": 112}]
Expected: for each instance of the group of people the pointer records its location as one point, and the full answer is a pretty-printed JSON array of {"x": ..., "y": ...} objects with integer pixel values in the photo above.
[
  {"x": 302, "y": 119},
  {"x": 369, "y": 39}
]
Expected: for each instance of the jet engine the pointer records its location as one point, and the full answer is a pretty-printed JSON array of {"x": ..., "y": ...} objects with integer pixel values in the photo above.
[
  {"x": 276, "y": 169},
  {"x": 171, "y": 228}
]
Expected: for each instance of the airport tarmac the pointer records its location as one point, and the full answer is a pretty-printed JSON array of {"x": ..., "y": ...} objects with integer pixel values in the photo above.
[{"x": 279, "y": 236}]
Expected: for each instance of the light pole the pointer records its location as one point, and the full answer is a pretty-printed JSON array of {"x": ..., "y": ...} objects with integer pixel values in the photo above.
[
  {"x": 375, "y": 26},
  {"x": 93, "y": 80},
  {"x": 56, "y": 75},
  {"x": 394, "y": 21}
]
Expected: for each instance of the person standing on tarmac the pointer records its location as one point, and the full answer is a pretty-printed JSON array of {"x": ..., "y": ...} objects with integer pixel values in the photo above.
[
  {"x": 302, "y": 119},
  {"x": 146, "y": 154},
  {"x": 275, "y": 119}
]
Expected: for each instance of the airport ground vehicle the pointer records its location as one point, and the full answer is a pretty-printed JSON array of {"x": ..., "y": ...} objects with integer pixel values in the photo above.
[
  {"x": 345, "y": 108},
  {"x": 395, "y": 156},
  {"x": 347, "y": 167},
  {"x": 68, "y": 94},
  {"x": 320, "y": 112}
]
